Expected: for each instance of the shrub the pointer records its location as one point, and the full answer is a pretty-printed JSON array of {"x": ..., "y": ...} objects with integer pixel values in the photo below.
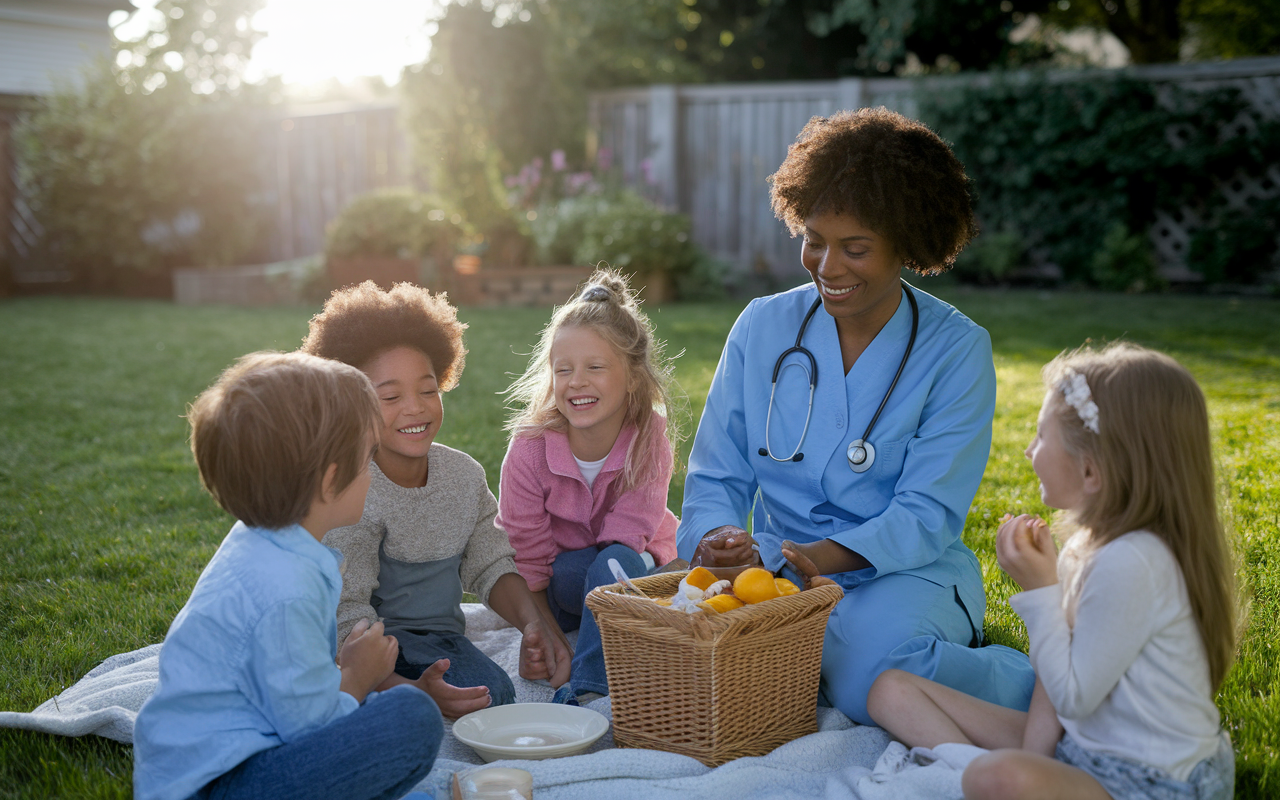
[
  {"x": 399, "y": 223},
  {"x": 630, "y": 233},
  {"x": 560, "y": 227},
  {"x": 1124, "y": 262},
  {"x": 125, "y": 183},
  {"x": 991, "y": 257},
  {"x": 1238, "y": 246},
  {"x": 1062, "y": 163}
]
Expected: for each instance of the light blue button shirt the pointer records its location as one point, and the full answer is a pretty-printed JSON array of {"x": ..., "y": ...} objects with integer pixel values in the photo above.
[
  {"x": 907, "y": 512},
  {"x": 248, "y": 664}
]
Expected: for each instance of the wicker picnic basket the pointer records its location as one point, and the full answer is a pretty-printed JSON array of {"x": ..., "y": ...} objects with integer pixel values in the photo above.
[{"x": 712, "y": 686}]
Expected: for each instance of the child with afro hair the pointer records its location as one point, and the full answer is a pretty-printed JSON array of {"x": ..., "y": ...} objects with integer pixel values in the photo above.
[{"x": 428, "y": 532}]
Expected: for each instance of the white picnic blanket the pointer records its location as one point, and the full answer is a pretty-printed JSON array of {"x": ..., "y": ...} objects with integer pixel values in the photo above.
[{"x": 842, "y": 761}]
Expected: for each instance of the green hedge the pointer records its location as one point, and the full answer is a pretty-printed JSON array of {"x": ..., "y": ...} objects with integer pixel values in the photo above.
[
  {"x": 400, "y": 223},
  {"x": 1078, "y": 169}
]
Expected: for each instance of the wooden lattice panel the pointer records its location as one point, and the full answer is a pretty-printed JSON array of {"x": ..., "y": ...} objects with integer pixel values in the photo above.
[{"x": 1172, "y": 232}]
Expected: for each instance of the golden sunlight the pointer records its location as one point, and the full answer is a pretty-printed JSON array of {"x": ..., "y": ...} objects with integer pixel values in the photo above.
[{"x": 308, "y": 41}]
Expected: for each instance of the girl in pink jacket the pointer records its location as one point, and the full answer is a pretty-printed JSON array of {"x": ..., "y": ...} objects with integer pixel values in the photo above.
[{"x": 585, "y": 476}]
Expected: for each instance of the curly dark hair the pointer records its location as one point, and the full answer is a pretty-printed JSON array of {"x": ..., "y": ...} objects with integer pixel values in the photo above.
[
  {"x": 360, "y": 322},
  {"x": 893, "y": 174}
]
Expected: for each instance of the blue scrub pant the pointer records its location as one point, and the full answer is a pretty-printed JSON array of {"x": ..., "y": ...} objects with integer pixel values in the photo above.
[{"x": 908, "y": 623}]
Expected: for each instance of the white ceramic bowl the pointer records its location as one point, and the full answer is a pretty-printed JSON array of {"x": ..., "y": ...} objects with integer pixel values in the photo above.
[{"x": 530, "y": 731}]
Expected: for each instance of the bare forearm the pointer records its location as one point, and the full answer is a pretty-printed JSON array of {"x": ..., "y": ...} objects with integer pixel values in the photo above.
[
  {"x": 512, "y": 600},
  {"x": 830, "y": 557},
  {"x": 544, "y": 608},
  {"x": 1043, "y": 727}
]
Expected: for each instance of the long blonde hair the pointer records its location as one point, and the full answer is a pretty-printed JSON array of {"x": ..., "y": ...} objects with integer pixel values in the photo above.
[
  {"x": 608, "y": 306},
  {"x": 1153, "y": 454}
]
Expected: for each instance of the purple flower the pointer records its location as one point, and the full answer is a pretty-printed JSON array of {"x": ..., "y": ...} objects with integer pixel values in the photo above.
[
  {"x": 557, "y": 160},
  {"x": 646, "y": 169}
]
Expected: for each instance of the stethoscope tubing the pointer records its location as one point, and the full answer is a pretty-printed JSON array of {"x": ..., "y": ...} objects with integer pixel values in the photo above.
[{"x": 866, "y": 452}]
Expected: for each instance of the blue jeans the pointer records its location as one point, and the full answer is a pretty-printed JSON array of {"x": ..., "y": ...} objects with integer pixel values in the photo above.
[
  {"x": 378, "y": 752},
  {"x": 904, "y": 622},
  {"x": 467, "y": 665},
  {"x": 573, "y": 575}
]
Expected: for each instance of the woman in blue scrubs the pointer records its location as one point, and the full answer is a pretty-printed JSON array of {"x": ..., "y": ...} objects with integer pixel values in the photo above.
[{"x": 871, "y": 192}]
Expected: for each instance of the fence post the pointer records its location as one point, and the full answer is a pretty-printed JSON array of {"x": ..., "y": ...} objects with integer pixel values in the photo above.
[
  {"x": 850, "y": 93},
  {"x": 664, "y": 133}
]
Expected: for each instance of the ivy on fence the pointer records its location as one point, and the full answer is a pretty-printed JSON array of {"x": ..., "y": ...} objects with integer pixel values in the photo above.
[{"x": 1080, "y": 168}]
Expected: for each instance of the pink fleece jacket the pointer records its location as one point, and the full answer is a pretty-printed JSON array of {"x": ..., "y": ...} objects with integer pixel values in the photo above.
[{"x": 546, "y": 507}]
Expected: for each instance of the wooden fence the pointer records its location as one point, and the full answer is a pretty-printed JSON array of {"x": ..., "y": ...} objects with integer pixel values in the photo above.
[
  {"x": 315, "y": 162},
  {"x": 706, "y": 150}
]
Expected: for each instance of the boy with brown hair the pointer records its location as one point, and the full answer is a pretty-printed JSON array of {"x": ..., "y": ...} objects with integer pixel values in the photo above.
[{"x": 250, "y": 701}]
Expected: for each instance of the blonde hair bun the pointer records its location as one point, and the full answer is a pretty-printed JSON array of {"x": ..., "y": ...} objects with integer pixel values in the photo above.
[{"x": 608, "y": 286}]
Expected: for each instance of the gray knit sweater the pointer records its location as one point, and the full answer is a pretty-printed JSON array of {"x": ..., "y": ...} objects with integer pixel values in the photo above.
[{"x": 415, "y": 551}]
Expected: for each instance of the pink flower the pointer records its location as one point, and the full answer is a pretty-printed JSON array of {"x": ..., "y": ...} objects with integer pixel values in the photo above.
[{"x": 557, "y": 160}]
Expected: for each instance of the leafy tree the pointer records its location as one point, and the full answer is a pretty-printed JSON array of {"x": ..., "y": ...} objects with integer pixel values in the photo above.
[
  {"x": 201, "y": 46},
  {"x": 151, "y": 161},
  {"x": 1164, "y": 30},
  {"x": 1233, "y": 28}
]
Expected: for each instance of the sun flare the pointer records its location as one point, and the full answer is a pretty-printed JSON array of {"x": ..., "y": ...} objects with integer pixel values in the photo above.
[{"x": 308, "y": 41}]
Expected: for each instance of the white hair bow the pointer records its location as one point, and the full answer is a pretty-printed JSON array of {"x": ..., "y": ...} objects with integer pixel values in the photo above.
[{"x": 1075, "y": 390}]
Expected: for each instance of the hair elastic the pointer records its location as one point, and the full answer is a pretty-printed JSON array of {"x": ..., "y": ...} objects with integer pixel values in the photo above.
[
  {"x": 594, "y": 294},
  {"x": 1075, "y": 390}
]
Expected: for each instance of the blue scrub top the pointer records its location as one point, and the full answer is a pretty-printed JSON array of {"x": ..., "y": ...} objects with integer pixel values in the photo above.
[{"x": 907, "y": 512}]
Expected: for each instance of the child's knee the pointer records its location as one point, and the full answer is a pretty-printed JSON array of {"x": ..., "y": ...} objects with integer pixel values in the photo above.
[
  {"x": 890, "y": 691},
  {"x": 998, "y": 775},
  {"x": 599, "y": 574}
]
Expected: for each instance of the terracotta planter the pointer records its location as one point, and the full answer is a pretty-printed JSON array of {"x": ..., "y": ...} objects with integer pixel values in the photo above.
[{"x": 382, "y": 270}]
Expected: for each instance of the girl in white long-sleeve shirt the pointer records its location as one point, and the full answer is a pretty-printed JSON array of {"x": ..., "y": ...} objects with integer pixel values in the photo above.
[{"x": 1132, "y": 629}]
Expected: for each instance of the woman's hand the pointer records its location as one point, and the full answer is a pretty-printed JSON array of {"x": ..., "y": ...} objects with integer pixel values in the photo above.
[
  {"x": 1026, "y": 551},
  {"x": 726, "y": 546},
  {"x": 804, "y": 566}
]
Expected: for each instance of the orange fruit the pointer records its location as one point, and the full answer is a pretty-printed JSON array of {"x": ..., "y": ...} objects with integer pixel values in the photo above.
[
  {"x": 700, "y": 577},
  {"x": 724, "y": 602},
  {"x": 755, "y": 585},
  {"x": 785, "y": 587}
]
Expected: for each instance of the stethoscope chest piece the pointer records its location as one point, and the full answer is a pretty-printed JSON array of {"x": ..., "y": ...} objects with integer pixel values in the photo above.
[{"x": 861, "y": 455}]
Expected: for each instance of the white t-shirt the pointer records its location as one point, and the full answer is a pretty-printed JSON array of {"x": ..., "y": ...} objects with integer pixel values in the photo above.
[
  {"x": 590, "y": 469},
  {"x": 1131, "y": 679}
]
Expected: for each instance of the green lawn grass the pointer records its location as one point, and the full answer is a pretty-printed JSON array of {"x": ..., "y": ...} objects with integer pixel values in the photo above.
[{"x": 104, "y": 528}]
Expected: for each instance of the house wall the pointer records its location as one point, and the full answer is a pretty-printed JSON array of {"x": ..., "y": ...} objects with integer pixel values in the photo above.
[{"x": 42, "y": 41}]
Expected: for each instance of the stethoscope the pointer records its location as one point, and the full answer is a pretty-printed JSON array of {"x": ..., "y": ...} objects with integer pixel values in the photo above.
[{"x": 861, "y": 453}]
